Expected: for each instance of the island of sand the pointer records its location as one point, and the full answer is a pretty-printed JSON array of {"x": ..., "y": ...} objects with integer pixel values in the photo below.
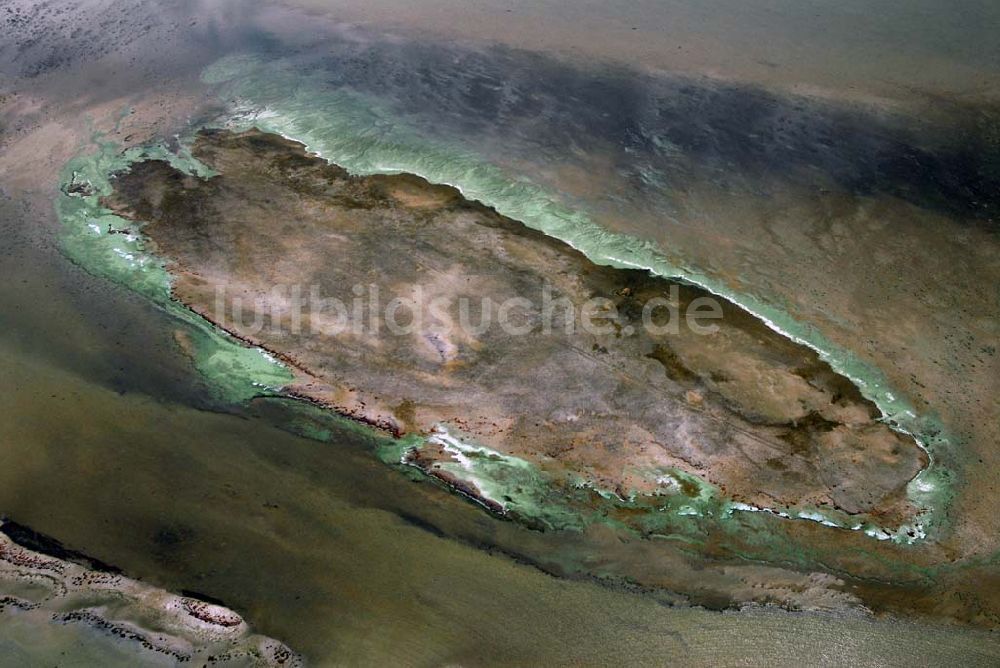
[
  {"x": 52, "y": 596},
  {"x": 614, "y": 406}
]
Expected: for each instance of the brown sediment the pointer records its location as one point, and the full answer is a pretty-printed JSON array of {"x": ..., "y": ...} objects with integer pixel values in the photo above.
[{"x": 752, "y": 412}]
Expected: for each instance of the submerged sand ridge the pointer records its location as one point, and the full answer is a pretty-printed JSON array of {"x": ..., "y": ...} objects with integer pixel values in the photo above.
[
  {"x": 63, "y": 593},
  {"x": 744, "y": 408}
]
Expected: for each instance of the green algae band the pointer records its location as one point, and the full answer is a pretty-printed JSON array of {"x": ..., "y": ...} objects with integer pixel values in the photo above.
[{"x": 109, "y": 246}]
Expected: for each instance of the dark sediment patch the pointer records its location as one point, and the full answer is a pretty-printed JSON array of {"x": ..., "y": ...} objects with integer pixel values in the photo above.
[
  {"x": 33, "y": 540},
  {"x": 202, "y": 597},
  {"x": 422, "y": 524}
]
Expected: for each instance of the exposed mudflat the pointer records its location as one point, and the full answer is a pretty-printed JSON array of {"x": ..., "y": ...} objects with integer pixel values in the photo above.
[{"x": 616, "y": 407}]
